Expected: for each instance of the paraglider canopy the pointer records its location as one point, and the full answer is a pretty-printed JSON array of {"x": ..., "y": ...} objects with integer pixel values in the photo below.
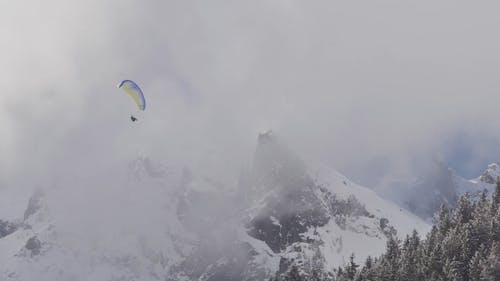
[{"x": 133, "y": 90}]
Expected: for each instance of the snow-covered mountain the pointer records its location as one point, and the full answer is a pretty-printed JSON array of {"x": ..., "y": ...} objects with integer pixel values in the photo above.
[
  {"x": 438, "y": 185},
  {"x": 491, "y": 175},
  {"x": 475, "y": 186},
  {"x": 281, "y": 212}
]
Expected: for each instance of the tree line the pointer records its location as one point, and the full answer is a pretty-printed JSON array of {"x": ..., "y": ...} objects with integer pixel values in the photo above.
[{"x": 463, "y": 245}]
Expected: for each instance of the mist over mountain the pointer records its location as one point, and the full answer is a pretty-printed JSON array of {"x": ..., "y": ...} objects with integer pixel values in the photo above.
[
  {"x": 424, "y": 193},
  {"x": 95, "y": 185},
  {"x": 281, "y": 212}
]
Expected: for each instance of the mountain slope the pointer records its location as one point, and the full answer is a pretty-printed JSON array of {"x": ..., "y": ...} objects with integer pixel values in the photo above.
[
  {"x": 438, "y": 185},
  {"x": 289, "y": 213},
  {"x": 179, "y": 225}
]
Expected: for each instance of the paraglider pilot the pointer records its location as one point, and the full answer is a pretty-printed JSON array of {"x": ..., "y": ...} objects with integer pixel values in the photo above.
[{"x": 131, "y": 88}]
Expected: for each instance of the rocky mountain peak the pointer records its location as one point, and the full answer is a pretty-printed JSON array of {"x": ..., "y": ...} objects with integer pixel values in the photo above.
[
  {"x": 35, "y": 204},
  {"x": 491, "y": 174},
  {"x": 274, "y": 161}
]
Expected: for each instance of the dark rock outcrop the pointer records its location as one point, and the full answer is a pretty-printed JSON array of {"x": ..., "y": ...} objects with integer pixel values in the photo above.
[
  {"x": 33, "y": 245},
  {"x": 7, "y": 228}
]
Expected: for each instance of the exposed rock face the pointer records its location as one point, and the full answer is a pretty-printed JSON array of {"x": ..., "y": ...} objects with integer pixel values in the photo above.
[
  {"x": 433, "y": 189},
  {"x": 291, "y": 204},
  {"x": 276, "y": 219},
  {"x": 33, "y": 245},
  {"x": 7, "y": 228},
  {"x": 280, "y": 215},
  {"x": 437, "y": 185},
  {"x": 491, "y": 174}
]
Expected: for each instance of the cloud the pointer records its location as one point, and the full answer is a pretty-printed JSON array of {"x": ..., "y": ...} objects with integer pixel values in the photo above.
[{"x": 344, "y": 82}]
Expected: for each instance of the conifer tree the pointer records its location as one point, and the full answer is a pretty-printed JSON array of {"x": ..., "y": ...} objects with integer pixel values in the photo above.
[
  {"x": 452, "y": 245},
  {"x": 407, "y": 269},
  {"x": 496, "y": 197},
  {"x": 444, "y": 222},
  {"x": 491, "y": 265},
  {"x": 463, "y": 244},
  {"x": 390, "y": 261},
  {"x": 458, "y": 271},
  {"x": 464, "y": 209},
  {"x": 367, "y": 272},
  {"x": 447, "y": 271},
  {"x": 495, "y": 227},
  {"x": 340, "y": 274},
  {"x": 470, "y": 242},
  {"x": 474, "y": 269},
  {"x": 292, "y": 274},
  {"x": 351, "y": 268},
  {"x": 436, "y": 261}
]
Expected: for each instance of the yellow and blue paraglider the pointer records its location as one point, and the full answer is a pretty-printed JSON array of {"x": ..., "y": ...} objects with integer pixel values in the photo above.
[{"x": 131, "y": 88}]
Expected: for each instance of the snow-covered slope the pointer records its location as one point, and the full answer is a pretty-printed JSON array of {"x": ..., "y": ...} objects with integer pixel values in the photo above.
[
  {"x": 477, "y": 185},
  {"x": 313, "y": 215},
  {"x": 134, "y": 240},
  {"x": 282, "y": 211},
  {"x": 491, "y": 175},
  {"x": 363, "y": 235}
]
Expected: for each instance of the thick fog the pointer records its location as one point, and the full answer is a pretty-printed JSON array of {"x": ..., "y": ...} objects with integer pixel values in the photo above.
[{"x": 369, "y": 88}]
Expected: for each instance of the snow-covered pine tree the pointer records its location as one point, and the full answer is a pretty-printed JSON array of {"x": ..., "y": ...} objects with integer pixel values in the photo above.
[
  {"x": 367, "y": 273},
  {"x": 496, "y": 197},
  {"x": 462, "y": 245},
  {"x": 293, "y": 274},
  {"x": 470, "y": 242},
  {"x": 481, "y": 221},
  {"x": 389, "y": 264},
  {"x": 495, "y": 227},
  {"x": 463, "y": 212},
  {"x": 444, "y": 220},
  {"x": 408, "y": 264},
  {"x": 491, "y": 265},
  {"x": 452, "y": 246},
  {"x": 447, "y": 271},
  {"x": 351, "y": 268},
  {"x": 474, "y": 268}
]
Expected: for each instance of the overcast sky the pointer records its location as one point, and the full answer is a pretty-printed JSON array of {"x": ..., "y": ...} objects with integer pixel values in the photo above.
[{"x": 368, "y": 87}]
